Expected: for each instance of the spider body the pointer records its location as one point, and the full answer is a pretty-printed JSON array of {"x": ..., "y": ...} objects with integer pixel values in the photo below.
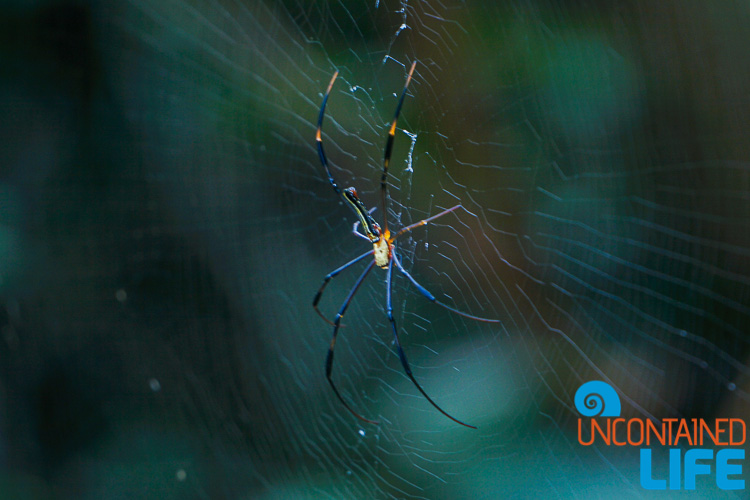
[
  {"x": 382, "y": 243},
  {"x": 383, "y": 253}
]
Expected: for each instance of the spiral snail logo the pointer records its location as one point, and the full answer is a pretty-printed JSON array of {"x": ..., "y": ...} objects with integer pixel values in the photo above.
[{"x": 597, "y": 399}]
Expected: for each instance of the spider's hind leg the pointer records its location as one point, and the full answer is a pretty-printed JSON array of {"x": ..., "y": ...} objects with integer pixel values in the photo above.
[
  {"x": 402, "y": 354},
  {"x": 432, "y": 298},
  {"x": 336, "y": 324},
  {"x": 328, "y": 278}
]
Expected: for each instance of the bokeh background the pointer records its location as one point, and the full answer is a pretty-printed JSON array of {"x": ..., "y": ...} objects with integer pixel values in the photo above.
[{"x": 165, "y": 223}]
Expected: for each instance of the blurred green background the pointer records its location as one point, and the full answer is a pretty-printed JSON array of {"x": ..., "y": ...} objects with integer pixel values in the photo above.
[{"x": 165, "y": 223}]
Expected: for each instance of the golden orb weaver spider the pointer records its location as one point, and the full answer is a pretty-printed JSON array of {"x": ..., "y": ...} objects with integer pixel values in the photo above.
[{"x": 383, "y": 252}]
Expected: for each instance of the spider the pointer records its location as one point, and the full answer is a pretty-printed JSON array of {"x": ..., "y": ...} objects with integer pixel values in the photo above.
[{"x": 383, "y": 253}]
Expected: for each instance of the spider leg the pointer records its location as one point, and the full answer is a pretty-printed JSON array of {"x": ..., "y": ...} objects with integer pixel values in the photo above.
[
  {"x": 402, "y": 355},
  {"x": 328, "y": 278},
  {"x": 432, "y": 298},
  {"x": 389, "y": 147},
  {"x": 319, "y": 139},
  {"x": 425, "y": 221},
  {"x": 336, "y": 324}
]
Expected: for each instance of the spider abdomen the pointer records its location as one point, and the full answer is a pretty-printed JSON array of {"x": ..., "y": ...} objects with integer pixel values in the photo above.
[{"x": 382, "y": 253}]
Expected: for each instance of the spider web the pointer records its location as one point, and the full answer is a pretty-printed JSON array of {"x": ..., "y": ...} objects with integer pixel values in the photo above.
[{"x": 598, "y": 151}]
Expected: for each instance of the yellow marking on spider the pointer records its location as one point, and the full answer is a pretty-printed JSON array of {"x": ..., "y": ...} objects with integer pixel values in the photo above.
[{"x": 330, "y": 85}]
